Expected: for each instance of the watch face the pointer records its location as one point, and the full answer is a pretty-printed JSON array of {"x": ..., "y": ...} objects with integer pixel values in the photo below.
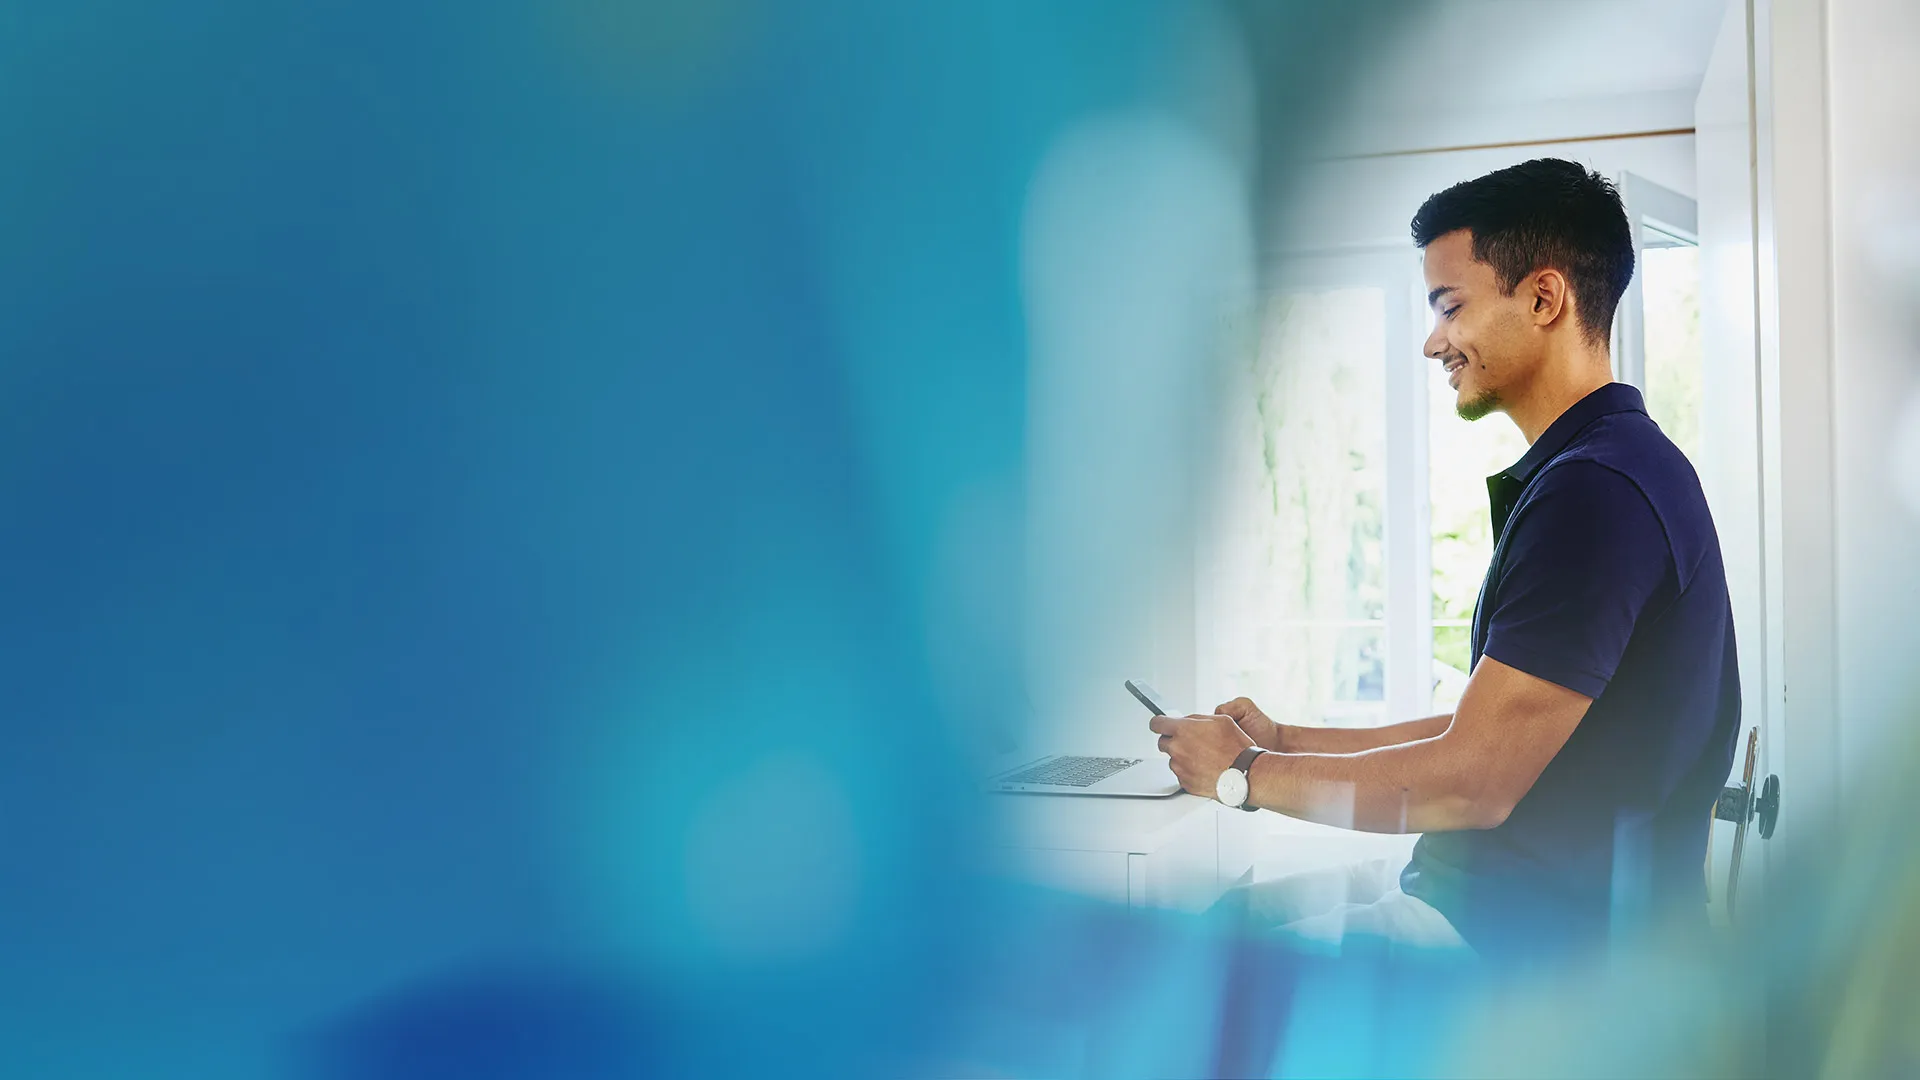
[{"x": 1231, "y": 788}]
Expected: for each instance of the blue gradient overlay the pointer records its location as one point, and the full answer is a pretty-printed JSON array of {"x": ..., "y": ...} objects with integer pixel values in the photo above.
[{"x": 483, "y": 588}]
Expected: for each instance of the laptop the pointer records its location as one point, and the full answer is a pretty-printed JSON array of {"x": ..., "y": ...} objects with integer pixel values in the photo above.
[{"x": 1082, "y": 774}]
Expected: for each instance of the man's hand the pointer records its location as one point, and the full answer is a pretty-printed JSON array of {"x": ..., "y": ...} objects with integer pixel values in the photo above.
[
  {"x": 1263, "y": 731},
  {"x": 1200, "y": 748}
]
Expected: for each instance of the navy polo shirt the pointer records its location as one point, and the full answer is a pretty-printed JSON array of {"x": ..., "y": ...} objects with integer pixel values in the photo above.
[{"x": 1606, "y": 579}]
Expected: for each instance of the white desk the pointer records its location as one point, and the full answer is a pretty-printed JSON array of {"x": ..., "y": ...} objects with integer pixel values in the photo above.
[{"x": 1180, "y": 852}]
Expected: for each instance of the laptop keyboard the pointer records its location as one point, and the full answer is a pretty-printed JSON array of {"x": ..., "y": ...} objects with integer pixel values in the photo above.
[{"x": 1069, "y": 771}]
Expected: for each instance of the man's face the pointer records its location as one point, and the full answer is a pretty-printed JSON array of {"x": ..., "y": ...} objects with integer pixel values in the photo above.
[{"x": 1484, "y": 337}]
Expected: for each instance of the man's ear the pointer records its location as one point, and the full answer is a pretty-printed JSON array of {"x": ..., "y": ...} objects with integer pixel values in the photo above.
[{"x": 1551, "y": 297}]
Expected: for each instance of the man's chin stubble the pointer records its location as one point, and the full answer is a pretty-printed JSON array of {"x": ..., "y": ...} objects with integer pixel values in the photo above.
[{"x": 1474, "y": 409}]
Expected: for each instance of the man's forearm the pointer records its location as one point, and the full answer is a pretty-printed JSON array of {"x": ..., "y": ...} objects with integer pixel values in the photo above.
[
  {"x": 1306, "y": 740},
  {"x": 1423, "y": 786}
]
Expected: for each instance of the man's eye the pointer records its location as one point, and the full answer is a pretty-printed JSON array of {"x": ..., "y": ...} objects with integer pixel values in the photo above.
[{"x": 1449, "y": 312}]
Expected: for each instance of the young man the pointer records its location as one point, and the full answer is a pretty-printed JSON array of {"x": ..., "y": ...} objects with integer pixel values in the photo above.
[{"x": 1570, "y": 791}]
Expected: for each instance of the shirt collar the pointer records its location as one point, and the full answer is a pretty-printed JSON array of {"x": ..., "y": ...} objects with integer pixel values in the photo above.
[{"x": 1611, "y": 398}]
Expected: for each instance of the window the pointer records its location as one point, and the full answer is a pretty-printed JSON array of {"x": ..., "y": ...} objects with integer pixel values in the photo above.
[
  {"x": 1670, "y": 283},
  {"x": 1293, "y": 598},
  {"x": 1461, "y": 456},
  {"x": 1350, "y": 534},
  {"x": 1657, "y": 333}
]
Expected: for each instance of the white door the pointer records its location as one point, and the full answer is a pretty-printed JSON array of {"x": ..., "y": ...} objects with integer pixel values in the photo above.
[{"x": 1729, "y": 456}]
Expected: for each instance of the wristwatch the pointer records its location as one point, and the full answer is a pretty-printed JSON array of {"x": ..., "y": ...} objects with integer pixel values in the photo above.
[{"x": 1231, "y": 788}]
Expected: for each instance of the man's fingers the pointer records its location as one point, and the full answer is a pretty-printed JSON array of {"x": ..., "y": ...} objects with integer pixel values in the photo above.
[
  {"x": 1238, "y": 708},
  {"x": 1164, "y": 725},
  {"x": 1162, "y": 744}
]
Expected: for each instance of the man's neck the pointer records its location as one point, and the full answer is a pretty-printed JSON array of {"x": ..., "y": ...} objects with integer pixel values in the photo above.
[{"x": 1555, "y": 390}]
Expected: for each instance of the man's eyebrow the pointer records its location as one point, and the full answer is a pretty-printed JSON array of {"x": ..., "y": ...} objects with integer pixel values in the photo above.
[{"x": 1438, "y": 293}]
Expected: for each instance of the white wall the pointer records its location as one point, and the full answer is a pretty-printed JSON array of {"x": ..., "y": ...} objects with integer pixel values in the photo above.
[
  {"x": 1468, "y": 72},
  {"x": 1873, "y": 49},
  {"x": 1370, "y": 201},
  {"x": 1835, "y": 234},
  {"x": 1366, "y": 185}
]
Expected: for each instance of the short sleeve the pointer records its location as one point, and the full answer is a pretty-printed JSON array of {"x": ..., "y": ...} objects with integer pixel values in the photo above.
[{"x": 1586, "y": 558}]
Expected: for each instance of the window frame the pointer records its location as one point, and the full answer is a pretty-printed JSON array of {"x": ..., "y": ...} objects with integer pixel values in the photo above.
[{"x": 1655, "y": 206}]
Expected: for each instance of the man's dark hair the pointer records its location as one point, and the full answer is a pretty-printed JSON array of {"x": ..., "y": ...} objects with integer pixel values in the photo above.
[{"x": 1546, "y": 213}]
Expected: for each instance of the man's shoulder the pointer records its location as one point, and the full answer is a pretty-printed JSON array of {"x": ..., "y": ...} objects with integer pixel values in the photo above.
[
  {"x": 1633, "y": 446},
  {"x": 1628, "y": 452},
  {"x": 1580, "y": 503}
]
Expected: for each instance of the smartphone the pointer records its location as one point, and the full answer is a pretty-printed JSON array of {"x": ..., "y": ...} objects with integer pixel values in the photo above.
[{"x": 1150, "y": 697}]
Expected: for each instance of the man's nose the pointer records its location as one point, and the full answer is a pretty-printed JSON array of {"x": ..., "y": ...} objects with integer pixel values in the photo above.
[{"x": 1436, "y": 346}]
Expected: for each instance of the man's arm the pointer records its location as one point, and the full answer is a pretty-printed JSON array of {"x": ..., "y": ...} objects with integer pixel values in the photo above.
[
  {"x": 1508, "y": 727},
  {"x": 1292, "y": 739}
]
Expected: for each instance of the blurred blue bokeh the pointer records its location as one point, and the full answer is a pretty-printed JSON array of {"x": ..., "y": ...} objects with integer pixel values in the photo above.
[
  {"x": 473, "y": 487},
  {"x": 510, "y": 529}
]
